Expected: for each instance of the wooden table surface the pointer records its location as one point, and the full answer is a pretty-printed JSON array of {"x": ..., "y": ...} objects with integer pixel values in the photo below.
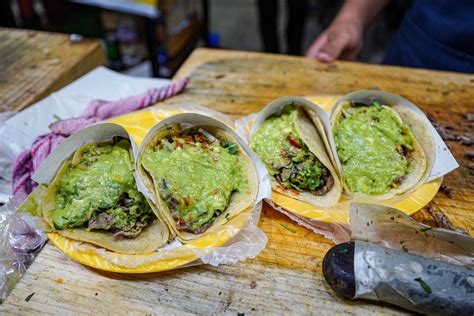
[
  {"x": 286, "y": 277},
  {"x": 34, "y": 64}
]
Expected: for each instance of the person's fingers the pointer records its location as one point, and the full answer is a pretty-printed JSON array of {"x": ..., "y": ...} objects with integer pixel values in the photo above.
[
  {"x": 325, "y": 58},
  {"x": 335, "y": 46},
  {"x": 351, "y": 54},
  {"x": 317, "y": 45}
]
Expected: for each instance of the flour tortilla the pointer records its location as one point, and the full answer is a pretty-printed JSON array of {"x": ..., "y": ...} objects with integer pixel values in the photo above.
[
  {"x": 152, "y": 237},
  {"x": 422, "y": 156},
  {"x": 239, "y": 202}
]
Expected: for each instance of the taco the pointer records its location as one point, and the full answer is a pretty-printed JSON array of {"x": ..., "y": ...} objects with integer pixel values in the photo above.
[
  {"x": 94, "y": 198},
  {"x": 294, "y": 153},
  {"x": 200, "y": 177},
  {"x": 381, "y": 156}
]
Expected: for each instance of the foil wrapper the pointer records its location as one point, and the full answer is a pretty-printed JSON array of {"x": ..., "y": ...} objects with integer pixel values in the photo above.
[{"x": 416, "y": 283}]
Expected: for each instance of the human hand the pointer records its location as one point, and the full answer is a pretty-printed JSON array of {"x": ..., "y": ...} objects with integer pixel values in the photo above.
[{"x": 341, "y": 40}]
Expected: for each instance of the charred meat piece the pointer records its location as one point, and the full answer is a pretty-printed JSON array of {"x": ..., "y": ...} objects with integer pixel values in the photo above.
[
  {"x": 130, "y": 234},
  {"x": 328, "y": 183},
  {"x": 101, "y": 221}
]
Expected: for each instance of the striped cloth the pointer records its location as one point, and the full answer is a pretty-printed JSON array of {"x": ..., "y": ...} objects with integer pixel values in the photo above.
[{"x": 27, "y": 162}]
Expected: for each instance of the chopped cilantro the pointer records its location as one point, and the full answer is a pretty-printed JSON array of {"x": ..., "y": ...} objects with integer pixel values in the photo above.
[
  {"x": 377, "y": 105},
  {"x": 28, "y": 298},
  {"x": 423, "y": 284},
  {"x": 231, "y": 148}
]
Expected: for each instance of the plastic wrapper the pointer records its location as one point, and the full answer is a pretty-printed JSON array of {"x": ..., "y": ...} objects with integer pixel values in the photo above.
[
  {"x": 401, "y": 271},
  {"x": 237, "y": 240},
  {"x": 21, "y": 239},
  {"x": 333, "y": 222}
]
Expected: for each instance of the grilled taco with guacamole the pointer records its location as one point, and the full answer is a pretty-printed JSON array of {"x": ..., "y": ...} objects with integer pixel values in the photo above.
[
  {"x": 94, "y": 198},
  {"x": 380, "y": 155},
  {"x": 200, "y": 177},
  {"x": 294, "y": 153}
]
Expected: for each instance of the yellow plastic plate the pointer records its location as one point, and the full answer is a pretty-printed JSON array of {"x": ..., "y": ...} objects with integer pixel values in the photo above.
[{"x": 137, "y": 125}]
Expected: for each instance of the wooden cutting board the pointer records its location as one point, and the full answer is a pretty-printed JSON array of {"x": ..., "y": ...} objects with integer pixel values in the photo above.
[
  {"x": 34, "y": 64},
  {"x": 286, "y": 277}
]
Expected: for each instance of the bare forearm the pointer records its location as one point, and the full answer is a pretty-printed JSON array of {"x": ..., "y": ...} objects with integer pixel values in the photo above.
[{"x": 362, "y": 11}]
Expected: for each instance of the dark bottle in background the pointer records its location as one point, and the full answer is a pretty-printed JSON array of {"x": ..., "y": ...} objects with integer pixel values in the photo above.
[{"x": 113, "y": 51}]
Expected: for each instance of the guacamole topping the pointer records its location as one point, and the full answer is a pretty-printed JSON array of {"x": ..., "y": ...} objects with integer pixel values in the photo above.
[
  {"x": 373, "y": 147},
  {"x": 287, "y": 157},
  {"x": 99, "y": 193},
  {"x": 195, "y": 175}
]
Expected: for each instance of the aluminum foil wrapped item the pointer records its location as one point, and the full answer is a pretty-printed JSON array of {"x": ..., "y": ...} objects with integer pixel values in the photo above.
[
  {"x": 398, "y": 261},
  {"x": 413, "y": 282}
]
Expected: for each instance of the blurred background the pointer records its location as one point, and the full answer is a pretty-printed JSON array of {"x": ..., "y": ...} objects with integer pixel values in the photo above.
[{"x": 154, "y": 37}]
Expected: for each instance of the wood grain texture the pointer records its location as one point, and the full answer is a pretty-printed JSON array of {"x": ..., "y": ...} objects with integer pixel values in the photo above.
[
  {"x": 286, "y": 277},
  {"x": 34, "y": 64}
]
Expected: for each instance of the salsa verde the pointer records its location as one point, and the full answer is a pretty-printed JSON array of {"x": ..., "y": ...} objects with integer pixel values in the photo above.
[
  {"x": 196, "y": 175},
  {"x": 287, "y": 157},
  {"x": 373, "y": 147},
  {"x": 99, "y": 192}
]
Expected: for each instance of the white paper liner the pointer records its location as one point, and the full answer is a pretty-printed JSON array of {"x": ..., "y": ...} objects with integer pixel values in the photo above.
[
  {"x": 338, "y": 233},
  {"x": 97, "y": 133},
  {"x": 166, "y": 109}
]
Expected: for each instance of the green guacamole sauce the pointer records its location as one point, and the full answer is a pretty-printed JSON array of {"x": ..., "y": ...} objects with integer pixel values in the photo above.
[
  {"x": 286, "y": 156},
  {"x": 373, "y": 147},
  {"x": 196, "y": 175},
  {"x": 100, "y": 192}
]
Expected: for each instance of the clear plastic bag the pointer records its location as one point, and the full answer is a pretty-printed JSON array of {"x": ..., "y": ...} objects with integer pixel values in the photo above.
[{"x": 21, "y": 239}]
